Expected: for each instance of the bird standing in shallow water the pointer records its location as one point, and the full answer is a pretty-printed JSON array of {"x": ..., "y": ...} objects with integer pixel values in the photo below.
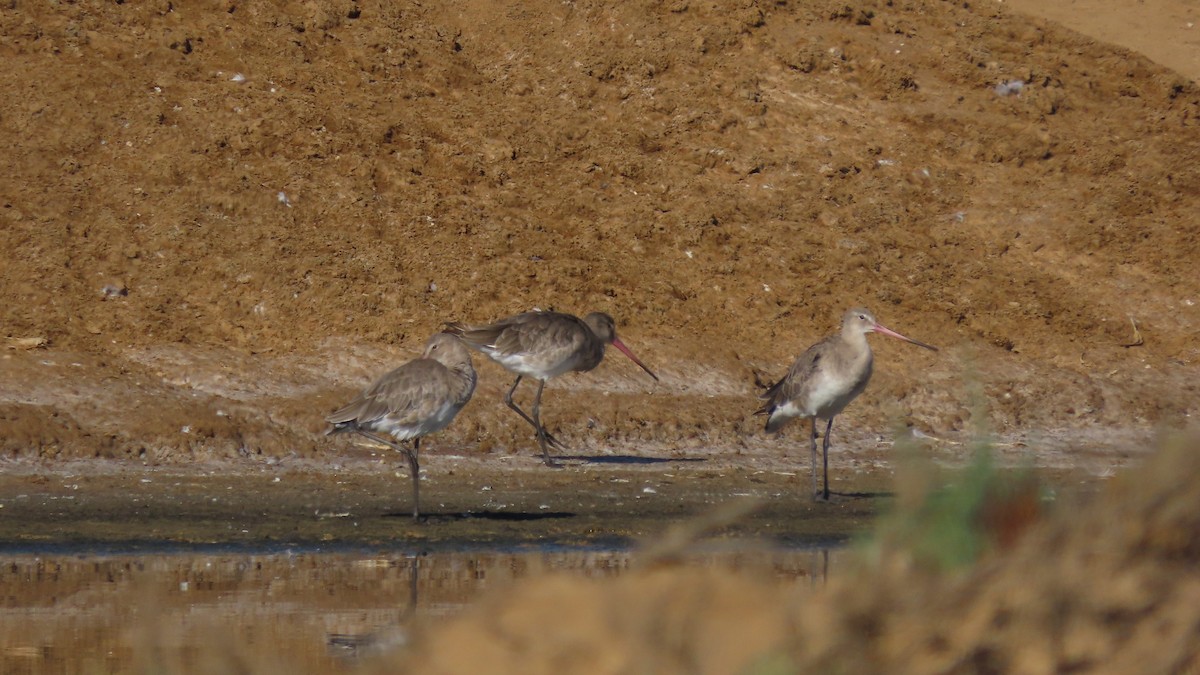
[
  {"x": 543, "y": 345},
  {"x": 824, "y": 380},
  {"x": 412, "y": 401}
]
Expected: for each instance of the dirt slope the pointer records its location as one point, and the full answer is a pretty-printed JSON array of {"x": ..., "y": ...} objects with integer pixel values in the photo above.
[{"x": 222, "y": 219}]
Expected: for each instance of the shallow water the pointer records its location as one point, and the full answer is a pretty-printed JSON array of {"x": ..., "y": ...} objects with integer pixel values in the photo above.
[
  {"x": 223, "y": 569},
  {"x": 272, "y": 611}
]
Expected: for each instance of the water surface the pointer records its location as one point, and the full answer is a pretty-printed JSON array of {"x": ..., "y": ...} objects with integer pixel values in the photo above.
[{"x": 315, "y": 610}]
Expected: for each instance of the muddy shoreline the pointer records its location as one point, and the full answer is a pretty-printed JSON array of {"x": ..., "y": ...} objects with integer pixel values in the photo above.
[
  {"x": 101, "y": 506},
  {"x": 473, "y": 507}
]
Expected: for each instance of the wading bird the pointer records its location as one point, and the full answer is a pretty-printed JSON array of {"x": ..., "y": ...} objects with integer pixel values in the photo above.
[
  {"x": 543, "y": 345},
  {"x": 824, "y": 380},
  {"x": 412, "y": 401}
]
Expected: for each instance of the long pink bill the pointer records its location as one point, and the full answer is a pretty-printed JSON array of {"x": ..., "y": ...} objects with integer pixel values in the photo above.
[
  {"x": 625, "y": 350},
  {"x": 879, "y": 328}
]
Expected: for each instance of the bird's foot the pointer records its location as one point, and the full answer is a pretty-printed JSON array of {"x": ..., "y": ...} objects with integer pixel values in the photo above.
[
  {"x": 555, "y": 443},
  {"x": 547, "y": 440}
]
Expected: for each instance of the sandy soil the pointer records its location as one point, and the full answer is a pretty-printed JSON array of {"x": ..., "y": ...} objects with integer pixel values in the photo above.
[{"x": 222, "y": 220}]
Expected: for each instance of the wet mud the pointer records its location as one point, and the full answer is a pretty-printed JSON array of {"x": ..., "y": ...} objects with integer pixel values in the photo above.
[{"x": 465, "y": 505}]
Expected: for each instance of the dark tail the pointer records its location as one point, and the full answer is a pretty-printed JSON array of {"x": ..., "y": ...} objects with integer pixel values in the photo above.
[
  {"x": 475, "y": 337},
  {"x": 340, "y": 427},
  {"x": 768, "y": 408},
  {"x": 774, "y": 424}
]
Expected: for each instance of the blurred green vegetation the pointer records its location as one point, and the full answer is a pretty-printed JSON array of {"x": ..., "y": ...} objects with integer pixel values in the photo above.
[{"x": 947, "y": 518}]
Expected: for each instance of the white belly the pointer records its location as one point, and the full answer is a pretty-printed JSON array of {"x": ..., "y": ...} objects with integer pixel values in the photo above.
[
  {"x": 543, "y": 366},
  {"x": 439, "y": 420},
  {"x": 829, "y": 396}
]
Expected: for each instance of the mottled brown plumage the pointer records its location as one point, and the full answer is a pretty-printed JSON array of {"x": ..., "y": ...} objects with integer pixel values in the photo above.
[
  {"x": 544, "y": 345},
  {"x": 412, "y": 401},
  {"x": 825, "y": 379}
]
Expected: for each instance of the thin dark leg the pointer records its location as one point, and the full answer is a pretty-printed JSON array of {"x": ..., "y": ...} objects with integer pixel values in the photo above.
[
  {"x": 825, "y": 452},
  {"x": 541, "y": 431},
  {"x": 415, "y": 469},
  {"x": 508, "y": 401},
  {"x": 813, "y": 464},
  {"x": 543, "y": 435},
  {"x": 412, "y": 465},
  {"x": 535, "y": 420}
]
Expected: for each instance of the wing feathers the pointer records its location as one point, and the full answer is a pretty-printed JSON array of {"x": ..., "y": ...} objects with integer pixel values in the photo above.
[{"x": 406, "y": 396}]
